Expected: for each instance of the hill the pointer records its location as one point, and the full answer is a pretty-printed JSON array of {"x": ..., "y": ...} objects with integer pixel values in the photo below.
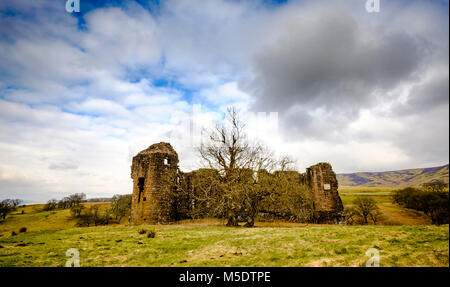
[{"x": 398, "y": 178}]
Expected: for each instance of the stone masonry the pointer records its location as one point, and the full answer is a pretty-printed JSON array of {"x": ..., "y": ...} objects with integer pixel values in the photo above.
[
  {"x": 328, "y": 206},
  {"x": 152, "y": 201}
]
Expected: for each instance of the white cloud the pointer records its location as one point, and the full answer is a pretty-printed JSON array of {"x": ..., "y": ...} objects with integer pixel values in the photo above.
[{"x": 77, "y": 104}]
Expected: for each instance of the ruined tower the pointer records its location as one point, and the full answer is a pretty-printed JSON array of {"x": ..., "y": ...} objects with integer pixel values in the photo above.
[
  {"x": 328, "y": 207},
  {"x": 150, "y": 171}
]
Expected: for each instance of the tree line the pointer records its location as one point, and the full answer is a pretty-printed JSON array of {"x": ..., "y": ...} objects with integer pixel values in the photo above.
[
  {"x": 93, "y": 214},
  {"x": 432, "y": 199},
  {"x": 7, "y": 206}
]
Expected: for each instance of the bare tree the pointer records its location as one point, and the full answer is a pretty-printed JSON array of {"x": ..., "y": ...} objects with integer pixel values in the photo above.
[
  {"x": 7, "y": 206},
  {"x": 227, "y": 149},
  {"x": 50, "y": 205},
  {"x": 366, "y": 207}
]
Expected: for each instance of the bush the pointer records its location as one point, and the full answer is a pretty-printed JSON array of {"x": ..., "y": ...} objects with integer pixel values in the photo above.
[
  {"x": 142, "y": 231},
  {"x": 151, "y": 234},
  {"x": 13, "y": 233},
  {"x": 23, "y": 229}
]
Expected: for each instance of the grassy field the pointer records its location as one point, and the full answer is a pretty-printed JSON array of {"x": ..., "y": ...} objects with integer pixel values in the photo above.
[
  {"x": 405, "y": 238},
  {"x": 213, "y": 245},
  {"x": 34, "y": 219},
  {"x": 392, "y": 214}
]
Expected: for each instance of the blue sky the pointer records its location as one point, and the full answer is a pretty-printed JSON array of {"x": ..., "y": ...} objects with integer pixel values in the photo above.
[{"x": 81, "y": 93}]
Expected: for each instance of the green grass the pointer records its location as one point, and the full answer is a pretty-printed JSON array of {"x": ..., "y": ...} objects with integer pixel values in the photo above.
[
  {"x": 380, "y": 194},
  {"x": 404, "y": 239},
  {"x": 185, "y": 245},
  {"x": 35, "y": 219}
]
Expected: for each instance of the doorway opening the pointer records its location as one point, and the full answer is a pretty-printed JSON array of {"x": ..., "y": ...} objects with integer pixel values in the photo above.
[{"x": 141, "y": 182}]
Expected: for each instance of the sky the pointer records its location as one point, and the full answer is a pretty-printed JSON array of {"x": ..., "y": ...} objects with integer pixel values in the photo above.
[{"x": 81, "y": 93}]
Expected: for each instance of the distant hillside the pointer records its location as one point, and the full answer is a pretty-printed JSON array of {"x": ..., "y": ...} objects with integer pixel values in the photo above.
[{"x": 398, "y": 178}]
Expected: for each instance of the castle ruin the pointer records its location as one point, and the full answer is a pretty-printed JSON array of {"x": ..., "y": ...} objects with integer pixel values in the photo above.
[
  {"x": 328, "y": 207},
  {"x": 152, "y": 201}
]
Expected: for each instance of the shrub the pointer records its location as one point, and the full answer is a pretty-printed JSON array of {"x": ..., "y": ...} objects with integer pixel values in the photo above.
[
  {"x": 142, "y": 231},
  {"x": 23, "y": 229},
  {"x": 351, "y": 215},
  {"x": 13, "y": 233},
  {"x": 151, "y": 234},
  {"x": 341, "y": 250}
]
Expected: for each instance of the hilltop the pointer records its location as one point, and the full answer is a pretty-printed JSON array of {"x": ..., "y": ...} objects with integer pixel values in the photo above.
[{"x": 398, "y": 178}]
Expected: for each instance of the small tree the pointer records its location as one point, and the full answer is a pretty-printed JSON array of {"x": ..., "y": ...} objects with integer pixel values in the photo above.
[
  {"x": 76, "y": 210},
  {"x": 96, "y": 216},
  {"x": 50, "y": 205},
  {"x": 227, "y": 149},
  {"x": 85, "y": 218},
  {"x": 7, "y": 206},
  {"x": 366, "y": 208},
  {"x": 120, "y": 206},
  {"x": 64, "y": 203},
  {"x": 16, "y": 202},
  {"x": 76, "y": 199}
]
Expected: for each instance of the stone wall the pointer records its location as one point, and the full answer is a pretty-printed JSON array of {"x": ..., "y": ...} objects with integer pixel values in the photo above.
[
  {"x": 150, "y": 169},
  {"x": 328, "y": 206},
  {"x": 153, "y": 199}
]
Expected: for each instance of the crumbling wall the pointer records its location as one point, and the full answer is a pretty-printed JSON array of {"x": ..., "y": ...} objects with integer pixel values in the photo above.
[
  {"x": 152, "y": 195},
  {"x": 194, "y": 185},
  {"x": 328, "y": 207},
  {"x": 156, "y": 199}
]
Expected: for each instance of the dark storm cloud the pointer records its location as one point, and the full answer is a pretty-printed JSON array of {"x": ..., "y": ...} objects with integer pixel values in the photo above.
[
  {"x": 326, "y": 66},
  {"x": 332, "y": 60},
  {"x": 426, "y": 137},
  {"x": 427, "y": 96}
]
